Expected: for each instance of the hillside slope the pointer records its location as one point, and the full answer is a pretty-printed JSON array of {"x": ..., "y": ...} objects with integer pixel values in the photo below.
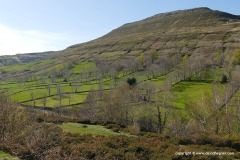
[
  {"x": 24, "y": 58},
  {"x": 199, "y": 31}
]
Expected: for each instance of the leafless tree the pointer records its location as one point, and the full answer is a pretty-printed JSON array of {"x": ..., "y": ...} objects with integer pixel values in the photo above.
[
  {"x": 44, "y": 100},
  {"x": 43, "y": 80},
  {"x": 162, "y": 105},
  {"x": 32, "y": 94},
  {"x": 201, "y": 111},
  {"x": 59, "y": 92},
  {"x": 48, "y": 87},
  {"x": 150, "y": 88},
  {"x": 13, "y": 119},
  {"x": 69, "y": 99},
  {"x": 91, "y": 108},
  {"x": 218, "y": 100}
]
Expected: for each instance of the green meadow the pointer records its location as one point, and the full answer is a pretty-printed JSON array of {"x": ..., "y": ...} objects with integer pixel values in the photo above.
[
  {"x": 186, "y": 91},
  {"x": 74, "y": 91}
]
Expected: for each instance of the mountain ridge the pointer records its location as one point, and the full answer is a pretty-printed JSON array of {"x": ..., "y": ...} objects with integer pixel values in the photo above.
[
  {"x": 199, "y": 31},
  {"x": 150, "y": 22}
]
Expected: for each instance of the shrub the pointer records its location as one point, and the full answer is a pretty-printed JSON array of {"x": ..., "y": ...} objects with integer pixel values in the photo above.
[
  {"x": 133, "y": 129},
  {"x": 185, "y": 141},
  {"x": 132, "y": 81},
  {"x": 236, "y": 145},
  {"x": 114, "y": 125},
  {"x": 84, "y": 121},
  {"x": 115, "y": 129},
  {"x": 236, "y": 58},
  {"x": 84, "y": 126},
  {"x": 39, "y": 120},
  {"x": 224, "y": 79}
]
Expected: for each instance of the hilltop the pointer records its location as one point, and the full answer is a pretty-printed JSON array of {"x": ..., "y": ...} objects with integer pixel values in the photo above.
[{"x": 199, "y": 31}]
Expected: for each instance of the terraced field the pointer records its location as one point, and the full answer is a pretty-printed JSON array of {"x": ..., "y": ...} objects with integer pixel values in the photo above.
[{"x": 44, "y": 91}]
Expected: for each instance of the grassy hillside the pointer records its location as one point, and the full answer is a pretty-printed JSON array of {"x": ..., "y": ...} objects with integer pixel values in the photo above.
[
  {"x": 169, "y": 34},
  {"x": 155, "y": 49},
  {"x": 176, "y": 74},
  {"x": 24, "y": 58}
]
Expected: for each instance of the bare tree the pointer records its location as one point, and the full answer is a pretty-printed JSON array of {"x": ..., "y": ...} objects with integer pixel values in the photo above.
[
  {"x": 48, "y": 87},
  {"x": 179, "y": 126},
  {"x": 185, "y": 67},
  {"x": 162, "y": 107},
  {"x": 43, "y": 80},
  {"x": 201, "y": 111},
  {"x": 218, "y": 99},
  {"x": 91, "y": 107},
  {"x": 117, "y": 105},
  {"x": 153, "y": 71},
  {"x": 44, "y": 100},
  {"x": 13, "y": 119},
  {"x": 59, "y": 92},
  {"x": 150, "y": 88},
  {"x": 100, "y": 88},
  {"x": 69, "y": 99},
  {"x": 75, "y": 85},
  {"x": 32, "y": 94}
]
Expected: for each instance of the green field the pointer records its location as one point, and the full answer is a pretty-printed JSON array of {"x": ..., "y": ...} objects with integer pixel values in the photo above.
[
  {"x": 186, "y": 91},
  {"x": 81, "y": 79},
  {"x": 25, "y": 89},
  {"x": 22, "y": 92},
  {"x": 89, "y": 129}
]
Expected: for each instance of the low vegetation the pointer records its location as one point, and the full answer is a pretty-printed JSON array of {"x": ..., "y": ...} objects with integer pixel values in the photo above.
[
  {"x": 39, "y": 140},
  {"x": 90, "y": 129}
]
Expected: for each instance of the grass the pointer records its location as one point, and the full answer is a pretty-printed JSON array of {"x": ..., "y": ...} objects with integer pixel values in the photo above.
[
  {"x": 54, "y": 101},
  {"x": 5, "y": 156},
  {"x": 159, "y": 80},
  {"x": 25, "y": 66},
  {"x": 90, "y": 129},
  {"x": 84, "y": 66},
  {"x": 22, "y": 91},
  {"x": 185, "y": 91}
]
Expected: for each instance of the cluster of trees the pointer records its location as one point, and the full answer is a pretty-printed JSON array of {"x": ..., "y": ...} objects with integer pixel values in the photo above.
[
  {"x": 130, "y": 104},
  {"x": 21, "y": 135}
]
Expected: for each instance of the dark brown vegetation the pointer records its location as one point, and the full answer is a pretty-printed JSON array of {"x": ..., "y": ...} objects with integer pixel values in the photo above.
[{"x": 26, "y": 136}]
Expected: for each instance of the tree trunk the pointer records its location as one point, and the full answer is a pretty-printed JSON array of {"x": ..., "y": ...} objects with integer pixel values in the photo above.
[
  {"x": 217, "y": 123},
  {"x": 159, "y": 120}
]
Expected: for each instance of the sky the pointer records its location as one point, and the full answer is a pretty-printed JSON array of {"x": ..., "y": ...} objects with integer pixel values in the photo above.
[{"x": 28, "y": 26}]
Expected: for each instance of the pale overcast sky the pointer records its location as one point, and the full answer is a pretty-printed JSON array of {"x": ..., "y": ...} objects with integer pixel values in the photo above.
[{"x": 43, "y": 25}]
